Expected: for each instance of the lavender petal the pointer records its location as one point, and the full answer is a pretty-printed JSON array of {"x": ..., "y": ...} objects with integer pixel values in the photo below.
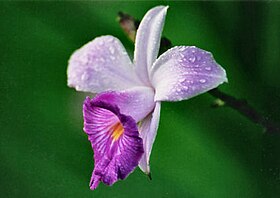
[
  {"x": 184, "y": 72},
  {"x": 148, "y": 132},
  {"x": 148, "y": 40},
  {"x": 101, "y": 65}
]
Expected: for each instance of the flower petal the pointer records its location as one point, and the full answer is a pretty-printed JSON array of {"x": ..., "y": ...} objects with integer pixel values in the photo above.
[
  {"x": 184, "y": 72},
  {"x": 148, "y": 132},
  {"x": 147, "y": 41},
  {"x": 115, "y": 140},
  {"x": 137, "y": 102},
  {"x": 100, "y": 65}
]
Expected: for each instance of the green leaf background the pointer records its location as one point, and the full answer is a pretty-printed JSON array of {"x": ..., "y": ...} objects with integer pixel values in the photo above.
[{"x": 199, "y": 152}]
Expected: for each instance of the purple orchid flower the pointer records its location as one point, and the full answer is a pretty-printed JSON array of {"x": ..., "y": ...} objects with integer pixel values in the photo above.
[{"x": 122, "y": 120}]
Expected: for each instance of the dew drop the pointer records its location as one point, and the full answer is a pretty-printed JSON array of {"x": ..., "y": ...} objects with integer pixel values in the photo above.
[
  {"x": 181, "y": 49},
  {"x": 173, "y": 89},
  {"x": 185, "y": 88},
  {"x": 202, "y": 81},
  {"x": 110, "y": 39},
  {"x": 190, "y": 81},
  {"x": 112, "y": 50},
  {"x": 192, "y": 58},
  {"x": 78, "y": 87},
  {"x": 181, "y": 80},
  {"x": 101, "y": 42},
  {"x": 84, "y": 77},
  {"x": 208, "y": 68}
]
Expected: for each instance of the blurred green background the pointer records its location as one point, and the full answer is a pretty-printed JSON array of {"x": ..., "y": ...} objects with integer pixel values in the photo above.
[{"x": 200, "y": 152}]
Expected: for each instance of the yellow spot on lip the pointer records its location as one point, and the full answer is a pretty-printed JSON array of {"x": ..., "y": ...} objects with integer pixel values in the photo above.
[{"x": 117, "y": 131}]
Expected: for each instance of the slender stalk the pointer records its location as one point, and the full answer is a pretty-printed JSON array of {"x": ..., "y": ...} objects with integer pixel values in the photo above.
[
  {"x": 129, "y": 25},
  {"x": 242, "y": 107}
]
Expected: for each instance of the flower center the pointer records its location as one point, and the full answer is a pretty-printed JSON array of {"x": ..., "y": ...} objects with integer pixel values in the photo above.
[{"x": 117, "y": 131}]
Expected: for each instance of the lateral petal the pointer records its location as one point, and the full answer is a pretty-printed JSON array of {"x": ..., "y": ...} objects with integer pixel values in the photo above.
[
  {"x": 115, "y": 140},
  {"x": 147, "y": 41},
  {"x": 101, "y": 65},
  {"x": 148, "y": 131},
  {"x": 184, "y": 72}
]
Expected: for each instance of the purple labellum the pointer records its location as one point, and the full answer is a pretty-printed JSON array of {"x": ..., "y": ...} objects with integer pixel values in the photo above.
[{"x": 115, "y": 140}]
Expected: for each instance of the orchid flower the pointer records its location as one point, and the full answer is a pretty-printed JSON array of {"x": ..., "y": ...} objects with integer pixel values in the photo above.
[{"x": 122, "y": 120}]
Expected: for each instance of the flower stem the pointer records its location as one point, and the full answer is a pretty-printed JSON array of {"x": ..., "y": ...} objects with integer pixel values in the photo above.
[
  {"x": 242, "y": 107},
  {"x": 129, "y": 25}
]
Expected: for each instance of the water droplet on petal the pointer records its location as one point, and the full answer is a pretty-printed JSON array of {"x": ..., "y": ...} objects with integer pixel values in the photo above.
[
  {"x": 84, "y": 77},
  {"x": 148, "y": 18},
  {"x": 202, "y": 81},
  {"x": 110, "y": 39},
  {"x": 181, "y": 80},
  {"x": 101, "y": 43},
  {"x": 208, "y": 68},
  {"x": 112, "y": 50},
  {"x": 192, "y": 58},
  {"x": 78, "y": 87}
]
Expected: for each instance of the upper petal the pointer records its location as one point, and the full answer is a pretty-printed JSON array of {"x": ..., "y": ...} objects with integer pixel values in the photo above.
[
  {"x": 184, "y": 72},
  {"x": 115, "y": 140},
  {"x": 148, "y": 132},
  {"x": 147, "y": 41},
  {"x": 100, "y": 65}
]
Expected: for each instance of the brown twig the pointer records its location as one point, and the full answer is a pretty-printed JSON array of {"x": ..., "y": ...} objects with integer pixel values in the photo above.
[{"x": 130, "y": 25}]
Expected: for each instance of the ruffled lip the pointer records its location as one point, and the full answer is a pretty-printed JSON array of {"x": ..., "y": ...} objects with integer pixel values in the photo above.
[{"x": 116, "y": 155}]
